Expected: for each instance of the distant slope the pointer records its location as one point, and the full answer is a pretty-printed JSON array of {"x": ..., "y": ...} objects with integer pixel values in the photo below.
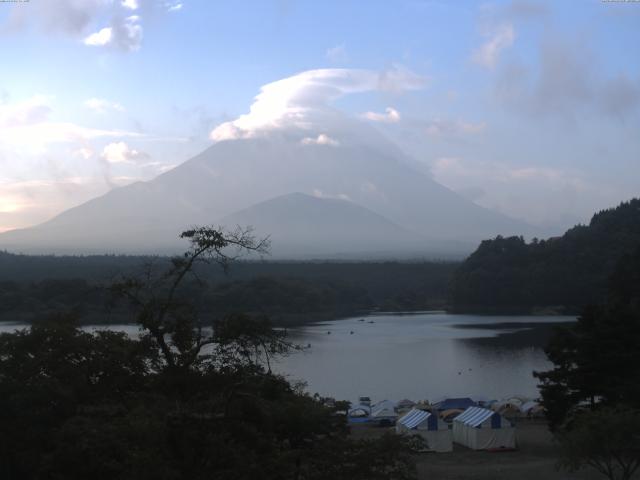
[
  {"x": 302, "y": 225},
  {"x": 508, "y": 274},
  {"x": 146, "y": 217}
]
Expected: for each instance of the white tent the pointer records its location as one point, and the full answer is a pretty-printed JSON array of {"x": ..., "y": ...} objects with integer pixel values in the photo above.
[
  {"x": 532, "y": 409},
  {"x": 360, "y": 414},
  {"x": 384, "y": 412},
  {"x": 384, "y": 405},
  {"x": 482, "y": 429},
  {"x": 432, "y": 429},
  {"x": 405, "y": 404}
]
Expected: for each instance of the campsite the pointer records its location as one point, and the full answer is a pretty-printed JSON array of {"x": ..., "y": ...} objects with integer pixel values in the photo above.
[
  {"x": 460, "y": 416},
  {"x": 535, "y": 458},
  {"x": 473, "y": 441}
]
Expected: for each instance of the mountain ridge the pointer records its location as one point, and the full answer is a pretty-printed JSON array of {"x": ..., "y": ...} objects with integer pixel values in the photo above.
[{"x": 146, "y": 217}]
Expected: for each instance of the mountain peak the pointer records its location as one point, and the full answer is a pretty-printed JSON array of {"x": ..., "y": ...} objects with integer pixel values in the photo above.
[{"x": 364, "y": 179}]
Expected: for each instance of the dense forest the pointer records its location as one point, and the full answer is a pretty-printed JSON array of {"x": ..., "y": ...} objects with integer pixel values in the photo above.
[
  {"x": 289, "y": 293},
  {"x": 561, "y": 274}
]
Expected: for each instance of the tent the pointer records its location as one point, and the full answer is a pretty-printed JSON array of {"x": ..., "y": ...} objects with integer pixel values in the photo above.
[
  {"x": 449, "y": 415},
  {"x": 460, "y": 403},
  {"x": 387, "y": 404},
  {"x": 360, "y": 414},
  {"x": 506, "y": 409},
  {"x": 405, "y": 404},
  {"x": 482, "y": 429},
  {"x": 384, "y": 413},
  {"x": 532, "y": 409},
  {"x": 434, "y": 431}
]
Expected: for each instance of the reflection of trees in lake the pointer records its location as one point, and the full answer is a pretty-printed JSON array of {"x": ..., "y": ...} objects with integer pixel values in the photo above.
[{"x": 528, "y": 335}]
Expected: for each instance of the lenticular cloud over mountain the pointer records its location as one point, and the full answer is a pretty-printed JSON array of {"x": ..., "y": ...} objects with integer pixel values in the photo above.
[
  {"x": 321, "y": 183},
  {"x": 302, "y": 102}
]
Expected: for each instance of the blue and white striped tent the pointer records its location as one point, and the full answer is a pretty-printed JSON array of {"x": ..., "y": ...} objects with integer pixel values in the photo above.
[
  {"x": 429, "y": 426},
  {"x": 482, "y": 429},
  {"x": 418, "y": 419}
]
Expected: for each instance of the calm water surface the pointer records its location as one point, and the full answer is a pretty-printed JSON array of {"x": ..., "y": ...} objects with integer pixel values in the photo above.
[
  {"x": 422, "y": 356},
  {"x": 426, "y": 355}
]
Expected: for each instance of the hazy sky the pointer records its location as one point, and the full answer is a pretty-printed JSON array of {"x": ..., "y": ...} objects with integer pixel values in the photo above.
[{"x": 529, "y": 108}]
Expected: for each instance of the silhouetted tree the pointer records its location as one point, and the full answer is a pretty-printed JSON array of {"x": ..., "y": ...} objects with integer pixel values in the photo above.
[
  {"x": 183, "y": 401},
  {"x": 606, "y": 440},
  {"x": 597, "y": 360},
  {"x": 167, "y": 317}
]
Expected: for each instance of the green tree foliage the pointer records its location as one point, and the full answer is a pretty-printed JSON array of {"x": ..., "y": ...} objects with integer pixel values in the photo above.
[
  {"x": 597, "y": 361},
  {"x": 184, "y": 400},
  {"x": 508, "y": 275},
  {"x": 606, "y": 440}
]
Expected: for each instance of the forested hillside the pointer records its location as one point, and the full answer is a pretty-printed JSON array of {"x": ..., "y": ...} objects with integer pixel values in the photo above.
[
  {"x": 288, "y": 292},
  {"x": 559, "y": 274}
]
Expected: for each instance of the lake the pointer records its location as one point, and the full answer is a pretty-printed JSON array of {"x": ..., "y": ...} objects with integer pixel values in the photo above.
[{"x": 424, "y": 355}]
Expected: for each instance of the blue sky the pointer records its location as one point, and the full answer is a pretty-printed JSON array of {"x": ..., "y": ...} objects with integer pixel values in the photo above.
[{"x": 530, "y": 108}]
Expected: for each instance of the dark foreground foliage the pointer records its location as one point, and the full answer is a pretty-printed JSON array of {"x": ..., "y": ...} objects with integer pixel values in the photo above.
[
  {"x": 77, "y": 405},
  {"x": 592, "y": 394},
  {"x": 606, "y": 440},
  {"x": 182, "y": 401},
  {"x": 597, "y": 360}
]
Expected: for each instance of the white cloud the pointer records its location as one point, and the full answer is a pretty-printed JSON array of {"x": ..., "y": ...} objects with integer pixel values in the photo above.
[
  {"x": 76, "y": 17},
  {"x": 130, "y": 4},
  {"x": 84, "y": 152},
  {"x": 100, "y": 105},
  {"x": 26, "y": 126},
  {"x": 321, "y": 139},
  {"x": 489, "y": 52},
  {"x": 33, "y": 110},
  {"x": 60, "y": 16},
  {"x": 36, "y": 137},
  {"x": 124, "y": 34},
  {"x": 337, "y": 54},
  {"x": 297, "y": 102},
  {"x": 390, "y": 115},
  {"x": 120, "y": 152},
  {"x": 338, "y": 196},
  {"x": 174, "y": 7},
  {"x": 100, "y": 38}
]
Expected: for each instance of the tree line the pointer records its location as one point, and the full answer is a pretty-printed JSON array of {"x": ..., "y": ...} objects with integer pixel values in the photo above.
[
  {"x": 562, "y": 274},
  {"x": 290, "y": 293}
]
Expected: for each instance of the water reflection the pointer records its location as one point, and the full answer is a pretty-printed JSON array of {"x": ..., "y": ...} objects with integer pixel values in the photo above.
[
  {"x": 427, "y": 355},
  {"x": 422, "y": 356}
]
